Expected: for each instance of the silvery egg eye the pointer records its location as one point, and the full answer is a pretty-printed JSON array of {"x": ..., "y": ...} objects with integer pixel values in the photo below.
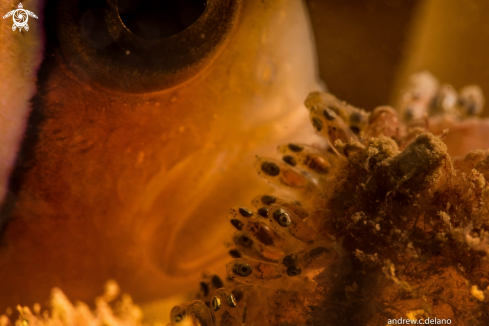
[
  {"x": 216, "y": 303},
  {"x": 231, "y": 301},
  {"x": 141, "y": 46}
]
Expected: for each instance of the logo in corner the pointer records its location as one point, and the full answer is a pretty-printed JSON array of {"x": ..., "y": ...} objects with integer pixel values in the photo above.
[{"x": 20, "y": 17}]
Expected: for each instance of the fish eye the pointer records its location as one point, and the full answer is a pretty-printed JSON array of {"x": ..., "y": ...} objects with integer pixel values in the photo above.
[
  {"x": 318, "y": 124},
  {"x": 290, "y": 160},
  {"x": 243, "y": 269},
  {"x": 231, "y": 301},
  {"x": 270, "y": 168},
  {"x": 238, "y": 295},
  {"x": 177, "y": 319},
  {"x": 282, "y": 217},
  {"x": 235, "y": 253},
  {"x": 294, "y": 271},
  {"x": 237, "y": 224},
  {"x": 141, "y": 46},
  {"x": 153, "y": 19},
  {"x": 263, "y": 212},
  {"x": 217, "y": 282},
  {"x": 216, "y": 303},
  {"x": 245, "y": 212},
  {"x": 268, "y": 200},
  {"x": 204, "y": 287},
  {"x": 329, "y": 114},
  {"x": 245, "y": 241},
  {"x": 355, "y": 129},
  {"x": 295, "y": 148}
]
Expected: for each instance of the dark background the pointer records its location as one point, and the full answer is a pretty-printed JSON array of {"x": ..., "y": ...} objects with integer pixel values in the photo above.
[
  {"x": 360, "y": 46},
  {"x": 368, "y": 48}
]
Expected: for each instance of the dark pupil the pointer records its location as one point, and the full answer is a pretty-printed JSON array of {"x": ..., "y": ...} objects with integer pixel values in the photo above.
[
  {"x": 355, "y": 129},
  {"x": 154, "y": 19},
  {"x": 244, "y": 269},
  {"x": 245, "y": 241}
]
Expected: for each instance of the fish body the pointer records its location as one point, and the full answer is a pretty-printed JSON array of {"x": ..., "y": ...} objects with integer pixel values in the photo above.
[{"x": 110, "y": 184}]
